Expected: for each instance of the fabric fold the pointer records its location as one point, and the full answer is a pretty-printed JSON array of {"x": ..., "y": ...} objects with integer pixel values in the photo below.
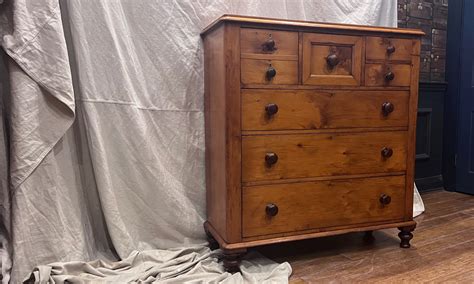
[
  {"x": 179, "y": 265},
  {"x": 39, "y": 109},
  {"x": 42, "y": 105}
]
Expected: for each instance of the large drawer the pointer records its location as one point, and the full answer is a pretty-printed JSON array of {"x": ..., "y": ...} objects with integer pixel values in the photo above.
[
  {"x": 298, "y": 109},
  {"x": 321, "y": 204},
  {"x": 269, "y": 157}
]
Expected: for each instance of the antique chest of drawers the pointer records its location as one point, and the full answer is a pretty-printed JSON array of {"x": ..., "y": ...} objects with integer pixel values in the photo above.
[{"x": 310, "y": 130}]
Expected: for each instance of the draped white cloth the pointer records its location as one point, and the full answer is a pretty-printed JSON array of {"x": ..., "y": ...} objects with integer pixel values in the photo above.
[{"x": 128, "y": 176}]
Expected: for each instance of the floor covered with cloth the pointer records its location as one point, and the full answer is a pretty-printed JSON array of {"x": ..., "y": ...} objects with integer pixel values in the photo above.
[{"x": 442, "y": 250}]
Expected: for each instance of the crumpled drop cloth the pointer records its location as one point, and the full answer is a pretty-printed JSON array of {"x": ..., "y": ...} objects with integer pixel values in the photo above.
[
  {"x": 180, "y": 265},
  {"x": 418, "y": 205},
  {"x": 129, "y": 174}
]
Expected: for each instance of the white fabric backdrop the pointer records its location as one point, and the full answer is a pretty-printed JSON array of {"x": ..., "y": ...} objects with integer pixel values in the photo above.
[{"x": 129, "y": 175}]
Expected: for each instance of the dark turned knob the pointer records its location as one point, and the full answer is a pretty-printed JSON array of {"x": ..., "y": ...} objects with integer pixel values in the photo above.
[
  {"x": 271, "y": 209},
  {"x": 390, "y": 49},
  {"x": 271, "y": 158},
  {"x": 389, "y": 76},
  {"x": 385, "y": 199},
  {"x": 387, "y": 152},
  {"x": 269, "y": 45},
  {"x": 387, "y": 108},
  {"x": 332, "y": 60},
  {"x": 271, "y": 109},
  {"x": 271, "y": 72}
]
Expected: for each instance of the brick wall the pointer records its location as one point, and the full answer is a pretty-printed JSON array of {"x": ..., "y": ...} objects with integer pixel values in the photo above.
[{"x": 431, "y": 16}]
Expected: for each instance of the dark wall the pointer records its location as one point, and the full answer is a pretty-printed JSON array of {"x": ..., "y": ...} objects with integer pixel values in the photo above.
[{"x": 431, "y": 17}]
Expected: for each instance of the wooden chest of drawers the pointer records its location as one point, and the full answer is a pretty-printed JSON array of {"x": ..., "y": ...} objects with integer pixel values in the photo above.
[{"x": 310, "y": 130}]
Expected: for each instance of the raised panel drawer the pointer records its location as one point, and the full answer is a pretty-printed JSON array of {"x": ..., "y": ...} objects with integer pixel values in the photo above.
[
  {"x": 263, "y": 43},
  {"x": 380, "y": 75},
  {"x": 256, "y": 72},
  {"x": 321, "y": 204},
  {"x": 308, "y": 109},
  {"x": 317, "y": 155},
  {"x": 331, "y": 59},
  {"x": 382, "y": 48}
]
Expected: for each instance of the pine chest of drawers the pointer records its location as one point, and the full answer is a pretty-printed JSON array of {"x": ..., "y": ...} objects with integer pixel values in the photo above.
[{"x": 310, "y": 130}]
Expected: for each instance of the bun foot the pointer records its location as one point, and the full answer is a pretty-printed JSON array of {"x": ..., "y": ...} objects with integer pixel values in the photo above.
[
  {"x": 405, "y": 236},
  {"x": 213, "y": 244},
  {"x": 231, "y": 259}
]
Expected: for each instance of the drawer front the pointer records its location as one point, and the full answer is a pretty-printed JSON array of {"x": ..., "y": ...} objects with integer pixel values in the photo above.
[
  {"x": 321, "y": 204},
  {"x": 331, "y": 59},
  {"x": 255, "y": 42},
  {"x": 287, "y": 109},
  {"x": 270, "y": 157},
  {"x": 381, "y": 48},
  {"x": 259, "y": 71},
  {"x": 381, "y": 75}
]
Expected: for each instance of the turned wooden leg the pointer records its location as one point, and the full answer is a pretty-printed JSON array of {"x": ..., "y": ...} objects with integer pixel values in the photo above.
[
  {"x": 405, "y": 236},
  {"x": 231, "y": 259},
  {"x": 213, "y": 244},
  {"x": 369, "y": 236}
]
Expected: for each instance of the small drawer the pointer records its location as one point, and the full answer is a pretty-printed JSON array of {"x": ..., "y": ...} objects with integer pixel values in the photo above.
[
  {"x": 269, "y": 43},
  {"x": 382, "y": 48},
  {"x": 284, "y": 208},
  {"x": 290, "y": 156},
  {"x": 396, "y": 75},
  {"x": 331, "y": 59},
  {"x": 308, "y": 109},
  {"x": 269, "y": 72}
]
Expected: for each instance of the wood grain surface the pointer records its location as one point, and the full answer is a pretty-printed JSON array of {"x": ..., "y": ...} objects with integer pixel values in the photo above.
[
  {"x": 347, "y": 50},
  {"x": 255, "y": 72},
  {"x": 253, "y": 40},
  {"x": 311, "y": 155},
  {"x": 317, "y": 26},
  {"x": 303, "y": 206},
  {"x": 299, "y": 109},
  {"x": 375, "y": 74},
  {"x": 376, "y": 48}
]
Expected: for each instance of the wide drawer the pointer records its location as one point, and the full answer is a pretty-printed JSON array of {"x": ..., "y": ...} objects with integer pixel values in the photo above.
[
  {"x": 388, "y": 75},
  {"x": 273, "y": 209},
  {"x": 269, "y": 157},
  {"x": 264, "y": 43},
  {"x": 382, "y": 48},
  {"x": 261, "y": 72},
  {"x": 292, "y": 109}
]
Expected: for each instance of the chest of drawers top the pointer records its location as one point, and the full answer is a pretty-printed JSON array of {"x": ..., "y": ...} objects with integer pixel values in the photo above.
[
  {"x": 281, "y": 52},
  {"x": 310, "y": 128}
]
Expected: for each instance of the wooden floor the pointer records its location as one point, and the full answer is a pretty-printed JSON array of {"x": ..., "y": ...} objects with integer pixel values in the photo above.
[{"x": 442, "y": 250}]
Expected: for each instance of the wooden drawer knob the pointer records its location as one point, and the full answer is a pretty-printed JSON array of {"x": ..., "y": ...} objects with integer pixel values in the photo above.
[
  {"x": 269, "y": 45},
  {"x": 389, "y": 76},
  {"x": 271, "y": 209},
  {"x": 271, "y": 72},
  {"x": 332, "y": 60},
  {"x": 271, "y": 158},
  {"x": 390, "y": 49},
  {"x": 387, "y": 108},
  {"x": 271, "y": 109},
  {"x": 385, "y": 199},
  {"x": 387, "y": 152}
]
